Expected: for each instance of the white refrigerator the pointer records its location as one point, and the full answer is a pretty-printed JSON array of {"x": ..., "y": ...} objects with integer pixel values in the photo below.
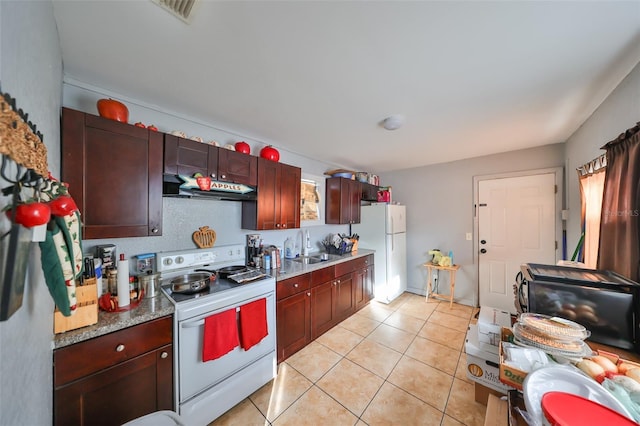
[{"x": 383, "y": 228}]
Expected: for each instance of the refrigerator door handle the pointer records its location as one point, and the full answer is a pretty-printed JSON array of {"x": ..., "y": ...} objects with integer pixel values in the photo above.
[{"x": 392, "y": 227}]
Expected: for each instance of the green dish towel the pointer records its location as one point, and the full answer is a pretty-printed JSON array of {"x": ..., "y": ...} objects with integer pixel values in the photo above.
[{"x": 53, "y": 271}]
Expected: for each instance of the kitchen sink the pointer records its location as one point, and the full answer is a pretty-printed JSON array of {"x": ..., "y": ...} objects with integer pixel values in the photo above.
[{"x": 310, "y": 260}]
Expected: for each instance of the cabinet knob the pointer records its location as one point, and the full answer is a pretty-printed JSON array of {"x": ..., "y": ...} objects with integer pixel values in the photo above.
[
  {"x": 213, "y": 175},
  {"x": 296, "y": 285},
  {"x": 120, "y": 348},
  {"x": 223, "y": 177},
  {"x": 163, "y": 355},
  {"x": 308, "y": 293},
  {"x": 338, "y": 281},
  {"x": 334, "y": 283},
  {"x": 277, "y": 225},
  {"x": 154, "y": 230},
  {"x": 284, "y": 225}
]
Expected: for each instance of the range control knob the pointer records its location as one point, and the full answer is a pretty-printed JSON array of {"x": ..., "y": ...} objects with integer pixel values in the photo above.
[
  {"x": 179, "y": 259},
  {"x": 167, "y": 261}
]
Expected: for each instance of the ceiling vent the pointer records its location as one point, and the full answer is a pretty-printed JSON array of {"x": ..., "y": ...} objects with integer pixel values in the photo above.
[{"x": 181, "y": 9}]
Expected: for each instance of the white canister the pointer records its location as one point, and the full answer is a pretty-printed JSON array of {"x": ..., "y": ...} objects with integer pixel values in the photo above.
[{"x": 123, "y": 282}]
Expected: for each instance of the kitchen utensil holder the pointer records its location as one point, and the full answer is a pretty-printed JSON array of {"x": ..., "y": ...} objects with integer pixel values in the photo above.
[{"x": 86, "y": 313}]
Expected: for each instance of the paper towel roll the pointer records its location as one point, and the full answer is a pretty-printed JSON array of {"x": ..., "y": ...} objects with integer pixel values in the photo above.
[{"x": 123, "y": 282}]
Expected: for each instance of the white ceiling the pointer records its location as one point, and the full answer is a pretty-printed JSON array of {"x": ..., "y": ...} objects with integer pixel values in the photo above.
[{"x": 317, "y": 77}]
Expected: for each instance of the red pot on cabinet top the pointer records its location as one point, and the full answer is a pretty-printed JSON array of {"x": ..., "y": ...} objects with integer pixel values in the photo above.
[
  {"x": 243, "y": 147},
  {"x": 270, "y": 153},
  {"x": 113, "y": 110}
]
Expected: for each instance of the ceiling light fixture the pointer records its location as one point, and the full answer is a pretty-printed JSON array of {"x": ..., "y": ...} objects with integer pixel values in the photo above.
[{"x": 393, "y": 122}]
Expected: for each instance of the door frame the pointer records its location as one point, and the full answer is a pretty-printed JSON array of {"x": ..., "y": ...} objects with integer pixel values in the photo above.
[{"x": 559, "y": 176}]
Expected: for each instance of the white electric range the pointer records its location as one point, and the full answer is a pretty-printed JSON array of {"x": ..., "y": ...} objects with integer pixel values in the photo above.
[{"x": 206, "y": 390}]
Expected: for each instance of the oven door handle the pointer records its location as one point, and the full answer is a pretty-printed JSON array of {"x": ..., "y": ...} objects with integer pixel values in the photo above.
[
  {"x": 192, "y": 324},
  {"x": 200, "y": 322}
]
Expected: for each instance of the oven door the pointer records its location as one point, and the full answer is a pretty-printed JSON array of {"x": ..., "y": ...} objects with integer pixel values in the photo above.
[{"x": 196, "y": 376}]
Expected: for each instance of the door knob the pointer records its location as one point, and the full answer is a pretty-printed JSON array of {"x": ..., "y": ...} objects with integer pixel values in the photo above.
[
  {"x": 483, "y": 241},
  {"x": 483, "y": 251}
]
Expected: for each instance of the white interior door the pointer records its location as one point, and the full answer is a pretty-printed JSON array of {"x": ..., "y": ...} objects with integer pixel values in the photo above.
[{"x": 516, "y": 225}]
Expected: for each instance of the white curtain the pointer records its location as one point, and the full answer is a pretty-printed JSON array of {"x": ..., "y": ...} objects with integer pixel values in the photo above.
[{"x": 591, "y": 177}]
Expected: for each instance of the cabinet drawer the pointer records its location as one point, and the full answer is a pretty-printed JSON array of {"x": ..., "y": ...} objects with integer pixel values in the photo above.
[
  {"x": 82, "y": 359},
  {"x": 322, "y": 276},
  {"x": 291, "y": 286},
  {"x": 353, "y": 265}
]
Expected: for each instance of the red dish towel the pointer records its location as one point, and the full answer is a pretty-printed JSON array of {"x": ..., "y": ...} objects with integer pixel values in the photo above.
[
  {"x": 253, "y": 323},
  {"x": 220, "y": 335}
]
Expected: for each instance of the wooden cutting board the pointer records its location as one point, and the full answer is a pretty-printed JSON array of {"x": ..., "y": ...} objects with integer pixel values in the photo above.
[{"x": 204, "y": 237}]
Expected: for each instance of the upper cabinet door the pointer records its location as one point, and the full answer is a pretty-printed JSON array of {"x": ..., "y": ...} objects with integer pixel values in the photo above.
[
  {"x": 290, "y": 177},
  {"x": 343, "y": 201},
  {"x": 114, "y": 171},
  {"x": 237, "y": 167},
  {"x": 278, "y": 202},
  {"x": 187, "y": 157}
]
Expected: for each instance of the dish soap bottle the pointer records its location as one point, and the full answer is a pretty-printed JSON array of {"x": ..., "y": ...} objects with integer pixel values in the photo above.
[{"x": 288, "y": 249}]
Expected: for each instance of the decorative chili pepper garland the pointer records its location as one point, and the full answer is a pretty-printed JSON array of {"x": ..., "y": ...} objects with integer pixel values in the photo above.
[{"x": 49, "y": 203}]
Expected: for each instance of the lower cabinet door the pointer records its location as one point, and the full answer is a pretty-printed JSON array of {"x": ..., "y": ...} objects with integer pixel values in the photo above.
[
  {"x": 293, "y": 319},
  {"x": 118, "y": 394},
  {"x": 323, "y": 312},
  {"x": 345, "y": 297}
]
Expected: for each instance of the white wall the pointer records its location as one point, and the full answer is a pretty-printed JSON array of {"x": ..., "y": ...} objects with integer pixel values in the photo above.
[
  {"x": 439, "y": 200},
  {"x": 620, "y": 111},
  {"x": 31, "y": 72}
]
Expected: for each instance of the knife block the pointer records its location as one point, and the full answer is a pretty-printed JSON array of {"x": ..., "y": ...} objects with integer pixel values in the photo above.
[{"x": 86, "y": 313}]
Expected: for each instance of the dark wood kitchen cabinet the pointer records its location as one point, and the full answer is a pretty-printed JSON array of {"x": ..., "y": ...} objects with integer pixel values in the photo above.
[
  {"x": 343, "y": 201},
  {"x": 369, "y": 192},
  {"x": 114, "y": 172},
  {"x": 187, "y": 157},
  {"x": 323, "y": 301},
  {"x": 278, "y": 202},
  {"x": 293, "y": 315},
  {"x": 112, "y": 379},
  {"x": 331, "y": 302},
  {"x": 363, "y": 278},
  {"x": 309, "y": 305}
]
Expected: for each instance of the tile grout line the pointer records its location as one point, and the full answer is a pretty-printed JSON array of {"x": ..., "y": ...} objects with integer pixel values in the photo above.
[{"x": 384, "y": 379}]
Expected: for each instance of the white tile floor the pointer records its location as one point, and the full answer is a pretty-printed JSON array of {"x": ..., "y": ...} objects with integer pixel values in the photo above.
[{"x": 401, "y": 363}]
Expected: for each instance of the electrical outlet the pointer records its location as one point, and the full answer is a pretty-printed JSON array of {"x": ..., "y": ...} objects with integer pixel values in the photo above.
[{"x": 469, "y": 236}]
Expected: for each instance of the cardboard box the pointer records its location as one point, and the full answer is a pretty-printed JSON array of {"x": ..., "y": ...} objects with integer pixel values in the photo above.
[
  {"x": 473, "y": 338},
  {"x": 482, "y": 393},
  {"x": 484, "y": 368},
  {"x": 490, "y": 322},
  {"x": 509, "y": 375},
  {"x": 497, "y": 412}
]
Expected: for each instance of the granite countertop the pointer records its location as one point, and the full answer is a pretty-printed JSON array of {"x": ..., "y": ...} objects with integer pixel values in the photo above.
[
  {"x": 290, "y": 268},
  {"x": 147, "y": 310},
  {"x": 160, "y": 306}
]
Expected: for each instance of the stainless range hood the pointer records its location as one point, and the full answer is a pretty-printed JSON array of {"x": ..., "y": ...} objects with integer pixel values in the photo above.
[{"x": 188, "y": 187}]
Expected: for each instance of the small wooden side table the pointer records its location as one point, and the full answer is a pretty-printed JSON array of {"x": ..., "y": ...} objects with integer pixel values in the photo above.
[{"x": 452, "y": 281}]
